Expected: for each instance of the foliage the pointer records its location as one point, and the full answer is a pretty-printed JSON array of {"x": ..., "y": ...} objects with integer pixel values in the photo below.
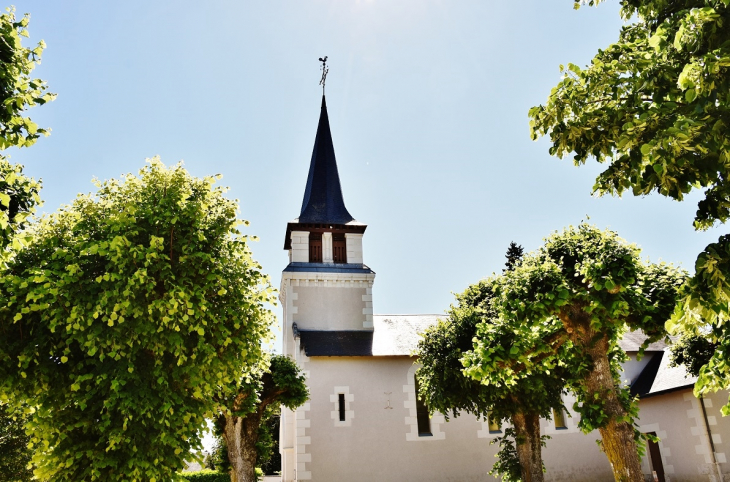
[
  {"x": 257, "y": 399},
  {"x": 18, "y": 92},
  {"x": 269, "y": 458},
  {"x": 507, "y": 467},
  {"x": 692, "y": 351},
  {"x": 655, "y": 107},
  {"x": 444, "y": 387},
  {"x": 18, "y": 199},
  {"x": 703, "y": 312},
  {"x": 514, "y": 255},
  {"x": 123, "y": 317},
  {"x": 14, "y": 453},
  {"x": 278, "y": 381},
  {"x": 206, "y": 475},
  {"x": 267, "y": 447},
  {"x": 218, "y": 458},
  {"x": 566, "y": 306}
]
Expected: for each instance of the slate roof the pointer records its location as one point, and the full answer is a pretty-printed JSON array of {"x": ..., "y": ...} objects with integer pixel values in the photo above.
[
  {"x": 345, "y": 268},
  {"x": 392, "y": 335},
  {"x": 633, "y": 340},
  {"x": 398, "y": 335},
  {"x": 665, "y": 378},
  {"x": 323, "y": 201}
]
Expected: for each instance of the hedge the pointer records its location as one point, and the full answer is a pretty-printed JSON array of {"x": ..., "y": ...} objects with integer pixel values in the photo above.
[{"x": 207, "y": 475}]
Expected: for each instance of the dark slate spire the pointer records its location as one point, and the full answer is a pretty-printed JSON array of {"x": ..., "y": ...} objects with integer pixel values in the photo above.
[{"x": 323, "y": 202}]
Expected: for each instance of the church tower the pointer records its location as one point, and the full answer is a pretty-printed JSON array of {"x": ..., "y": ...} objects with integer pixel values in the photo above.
[{"x": 326, "y": 289}]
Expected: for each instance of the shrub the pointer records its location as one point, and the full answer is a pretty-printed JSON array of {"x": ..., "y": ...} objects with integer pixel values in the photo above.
[{"x": 208, "y": 475}]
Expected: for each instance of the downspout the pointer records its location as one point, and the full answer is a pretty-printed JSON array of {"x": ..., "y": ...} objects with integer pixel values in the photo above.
[{"x": 709, "y": 437}]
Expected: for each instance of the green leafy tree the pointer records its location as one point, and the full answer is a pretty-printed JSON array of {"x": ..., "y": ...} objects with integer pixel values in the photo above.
[
  {"x": 14, "y": 453},
  {"x": 568, "y": 304},
  {"x": 18, "y": 92},
  {"x": 444, "y": 387},
  {"x": 124, "y": 316},
  {"x": 703, "y": 313},
  {"x": 655, "y": 108},
  {"x": 269, "y": 458},
  {"x": 692, "y": 351},
  {"x": 257, "y": 399}
]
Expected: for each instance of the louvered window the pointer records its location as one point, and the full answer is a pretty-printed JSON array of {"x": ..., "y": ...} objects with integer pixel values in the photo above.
[
  {"x": 339, "y": 248},
  {"x": 315, "y": 247}
]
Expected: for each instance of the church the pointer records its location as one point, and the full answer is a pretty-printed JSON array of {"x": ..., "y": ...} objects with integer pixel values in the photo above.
[{"x": 363, "y": 421}]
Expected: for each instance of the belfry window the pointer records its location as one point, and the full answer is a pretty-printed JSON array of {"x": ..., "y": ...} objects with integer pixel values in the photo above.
[
  {"x": 315, "y": 247},
  {"x": 422, "y": 416},
  {"x": 339, "y": 248}
]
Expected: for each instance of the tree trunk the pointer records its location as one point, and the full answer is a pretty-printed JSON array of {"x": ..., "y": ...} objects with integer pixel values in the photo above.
[
  {"x": 529, "y": 448},
  {"x": 617, "y": 436},
  {"x": 241, "y": 435}
]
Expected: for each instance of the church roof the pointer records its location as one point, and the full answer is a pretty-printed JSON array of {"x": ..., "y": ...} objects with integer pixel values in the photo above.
[
  {"x": 340, "y": 268},
  {"x": 392, "y": 335},
  {"x": 323, "y": 202},
  {"x": 658, "y": 377},
  {"x": 398, "y": 335}
]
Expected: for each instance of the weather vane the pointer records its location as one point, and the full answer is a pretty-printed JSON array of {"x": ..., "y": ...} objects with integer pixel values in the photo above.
[{"x": 324, "y": 72}]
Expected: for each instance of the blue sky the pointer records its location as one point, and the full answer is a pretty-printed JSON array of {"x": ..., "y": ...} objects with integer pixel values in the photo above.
[{"x": 428, "y": 106}]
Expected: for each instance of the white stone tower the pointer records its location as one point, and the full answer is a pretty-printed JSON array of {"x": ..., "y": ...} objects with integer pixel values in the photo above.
[{"x": 326, "y": 288}]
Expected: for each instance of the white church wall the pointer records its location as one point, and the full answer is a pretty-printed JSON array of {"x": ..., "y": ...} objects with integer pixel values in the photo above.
[
  {"x": 377, "y": 442},
  {"x": 677, "y": 419},
  {"x": 373, "y": 446},
  {"x": 320, "y": 307}
]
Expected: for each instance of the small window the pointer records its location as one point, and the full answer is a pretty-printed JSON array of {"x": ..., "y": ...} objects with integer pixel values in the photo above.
[
  {"x": 341, "y": 401},
  {"x": 339, "y": 248},
  {"x": 494, "y": 426},
  {"x": 559, "y": 419},
  {"x": 315, "y": 247},
  {"x": 424, "y": 421}
]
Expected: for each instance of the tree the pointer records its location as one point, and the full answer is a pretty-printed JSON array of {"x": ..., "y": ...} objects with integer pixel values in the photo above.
[
  {"x": 124, "y": 316},
  {"x": 444, "y": 387},
  {"x": 14, "y": 453},
  {"x": 692, "y": 351},
  {"x": 514, "y": 255},
  {"x": 258, "y": 397},
  {"x": 655, "y": 107},
  {"x": 568, "y": 304},
  {"x": 18, "y": 92}
]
